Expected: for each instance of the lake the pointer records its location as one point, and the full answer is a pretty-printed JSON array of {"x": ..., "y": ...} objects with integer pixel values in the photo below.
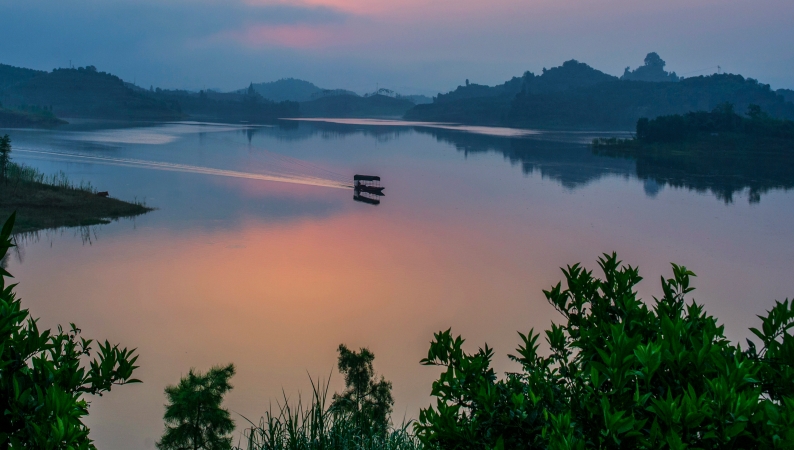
[{"x": 257, "y": 253}]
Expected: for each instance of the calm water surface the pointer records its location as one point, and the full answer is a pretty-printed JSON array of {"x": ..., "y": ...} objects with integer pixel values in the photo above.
[{"x": 273, "y": 275}]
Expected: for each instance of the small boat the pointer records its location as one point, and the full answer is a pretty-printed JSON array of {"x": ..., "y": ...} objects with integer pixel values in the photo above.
[
  {"x": 367, "y": 183},
  {"x": 367, "y": 189}
]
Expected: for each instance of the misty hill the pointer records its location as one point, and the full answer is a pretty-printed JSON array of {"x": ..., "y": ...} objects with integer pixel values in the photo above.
[
  {"x": 292, "y": 90},
  {"x": 373, "y": 106},
  {"x": 214, "y": 106},
  {"x": 479, "y": 104},
  {"x": 576, "y": 96},
  {"x": 286, "y": 89},
  {"x": 10, "y": 75},
  {"x": 417, "y": 99},
  {"x": 787, "y": 94},
  {"x": 83, "y": 92},
  {"x": 618, "y": 104}
]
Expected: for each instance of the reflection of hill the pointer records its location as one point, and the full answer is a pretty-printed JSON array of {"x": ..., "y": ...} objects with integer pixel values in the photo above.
[
  {"x": 566, "y": 159},
  {"x": 571, "y": 164},
  {"x": 722, "y": 171},
  {"x": 354, "y": 106},
  {"x": 293, "y": 130}
]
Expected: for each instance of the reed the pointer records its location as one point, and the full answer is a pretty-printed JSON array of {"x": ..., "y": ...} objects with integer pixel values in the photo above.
[
  {"x": 316, "y": 426},
  {"x": 20, "y": 173}
]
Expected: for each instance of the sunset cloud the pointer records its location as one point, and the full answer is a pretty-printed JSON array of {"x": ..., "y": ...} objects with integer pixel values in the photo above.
[
  {"x": 297, "y": 36},
  {"x": 417, "y": 46}
]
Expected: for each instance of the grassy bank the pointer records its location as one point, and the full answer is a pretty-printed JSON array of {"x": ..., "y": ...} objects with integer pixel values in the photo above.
[
  {"x": 30, "y": 117},
  {"x": 43, "y": 202}
]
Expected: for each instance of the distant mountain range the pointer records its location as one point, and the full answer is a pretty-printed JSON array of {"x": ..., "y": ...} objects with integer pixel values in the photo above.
[
  {"x": 577, "y": 96},
  {"x": 318, "y": 102},
  {"x": 571, "y": 96}
]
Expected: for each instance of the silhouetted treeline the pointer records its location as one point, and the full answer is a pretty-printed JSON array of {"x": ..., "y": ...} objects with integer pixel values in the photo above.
[
  {"x": 719, "y": 151},
  {"x": 83, "y": 92},
  {"x": 576, "y": 96},
  {"x": 225, "y": 107},
  {"x": 88, "y": 93},
  {"x": 28, "y": 116},
  {"x": 723, "y": 119}
]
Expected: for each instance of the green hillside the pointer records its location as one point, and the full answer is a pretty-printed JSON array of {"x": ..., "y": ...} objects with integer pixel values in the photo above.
[
  {"x": 32, "y": 117},
  {"x": 249, "y": 107},
  {"x": 10, "y": 75},
  {"x": 576, "y": 96},
  {"x": 287, "y": 89},
  {"x": 86, "y": 93}
]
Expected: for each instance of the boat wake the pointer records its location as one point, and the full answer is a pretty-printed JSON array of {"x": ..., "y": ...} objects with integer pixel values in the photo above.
[{"x": 329, "y": 182}]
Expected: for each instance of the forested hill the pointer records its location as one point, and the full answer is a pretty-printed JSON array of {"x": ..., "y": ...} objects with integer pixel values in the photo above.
[
  {"x": 83, "y": 93},
  {"x": 87, "y": 93},
  {"x": 10, "y": 75},
  {"x": 479, "y": 104},
  {"x": 576, "y": 96},
  {"x": 287, "y": 89}
]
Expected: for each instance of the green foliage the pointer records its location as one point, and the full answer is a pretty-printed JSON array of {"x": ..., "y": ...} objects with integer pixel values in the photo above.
[
  {"x": 43, "y": 375},
  {"x": 5, "y": 156},
  {"x": 366, "y": 399},
  {"x": 319, "y": 427},
  {"x": 577, "y": 96},
  {"x": 620, "y": 374},
  {"x": 194, "y": 418},
  {"x": 723, "y": 119}
]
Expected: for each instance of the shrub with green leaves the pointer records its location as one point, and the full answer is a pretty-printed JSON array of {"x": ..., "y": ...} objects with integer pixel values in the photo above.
[
  {"x": 43, "y": 375},
  {"x": 194, "y": 417},
  {"x": 621, "y": 374},
  {"x": 366, "y": 398}
]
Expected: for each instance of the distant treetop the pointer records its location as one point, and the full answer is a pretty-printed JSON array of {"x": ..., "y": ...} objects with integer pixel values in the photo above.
[{"x": 653, "y": 70}]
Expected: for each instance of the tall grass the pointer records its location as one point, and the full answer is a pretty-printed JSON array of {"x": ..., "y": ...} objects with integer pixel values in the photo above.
[
  {"x": 317, "y": 427},
  {"x": 26, "y": 174}
]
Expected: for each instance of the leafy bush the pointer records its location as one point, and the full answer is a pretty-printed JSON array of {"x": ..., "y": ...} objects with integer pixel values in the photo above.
[
  {"x": 366, "y": 398},
  {"x": 620, "y": 374},
  {"x": 723, "y": 119},
  {"x": 194, "y": 417},
  {"x": 43, "y": 377}
]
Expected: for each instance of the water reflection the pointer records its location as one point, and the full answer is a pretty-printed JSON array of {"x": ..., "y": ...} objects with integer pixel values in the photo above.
[
  {"x": 566, "y": 157},
  {"x": 274, "y": 276}
]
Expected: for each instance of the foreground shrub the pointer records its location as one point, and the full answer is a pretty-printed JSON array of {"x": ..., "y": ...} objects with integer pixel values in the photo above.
[
  {"x": 620, "y": 375},
  {"x": 43, "y": 375},
  {"x": 194, "y": 418},
  {"x": 317, "y": 426},
  {"x": 366, "y": 399},
  {"x": 357, "y": 419}
]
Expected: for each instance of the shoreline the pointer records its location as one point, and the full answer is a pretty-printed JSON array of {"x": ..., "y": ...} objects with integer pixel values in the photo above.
[{"x": 41, "y": 206}]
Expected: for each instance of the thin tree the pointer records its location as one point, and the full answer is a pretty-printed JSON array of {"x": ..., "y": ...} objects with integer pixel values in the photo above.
[
  {"x": 5, "y": 156},
  {"x": 366, "y": 398},
  {"x": 194, "y": 418}
]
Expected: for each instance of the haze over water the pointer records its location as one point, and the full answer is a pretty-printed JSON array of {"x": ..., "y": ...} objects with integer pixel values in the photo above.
[{"x": 273, "y": 275}]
